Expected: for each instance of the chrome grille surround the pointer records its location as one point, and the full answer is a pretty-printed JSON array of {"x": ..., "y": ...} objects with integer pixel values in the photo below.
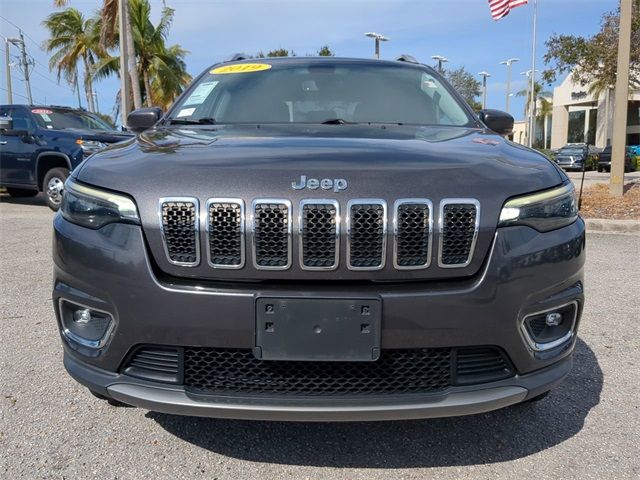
[
  {"x": 398, "y": 227},
  {"x": 303, "y": 232},
  {"x": 256, "y": 232},
  {"x": 165, "y": 234},
  {"x": 443, "y": 230},
  {"x": 353, "y": 238},
  {"x": 240, "y": 232}
]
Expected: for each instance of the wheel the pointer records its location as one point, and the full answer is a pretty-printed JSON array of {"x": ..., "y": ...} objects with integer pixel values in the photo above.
[
  {"x": 537, "y": 398},
  {"x": 600, "y": 170},
  {"x": 109, "y": 400},
  {"x": 21, "y": 192},
  {"x": 53, "y": 186}
]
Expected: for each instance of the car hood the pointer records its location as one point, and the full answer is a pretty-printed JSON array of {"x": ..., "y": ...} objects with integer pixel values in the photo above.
[
  {"x": 103, "y": 136},
  {"x": 383, "y": 162}
]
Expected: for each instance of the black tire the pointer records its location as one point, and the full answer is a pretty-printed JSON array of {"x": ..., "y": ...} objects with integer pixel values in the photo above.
[
  {"x": 537, "y": 398},
  {"x": 600, "y": 170},
  {"x": 21, "y": 192},
  {"x": 52, "y": 186}
]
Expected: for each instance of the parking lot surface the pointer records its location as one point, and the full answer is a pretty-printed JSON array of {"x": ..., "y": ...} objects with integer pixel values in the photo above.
[{"x": 51, "y": 427}]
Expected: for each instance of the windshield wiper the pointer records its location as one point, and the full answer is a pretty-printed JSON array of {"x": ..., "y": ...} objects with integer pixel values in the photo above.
[
  {"x": 336, "y": 121},
  {"x": 185, "y": 121}
]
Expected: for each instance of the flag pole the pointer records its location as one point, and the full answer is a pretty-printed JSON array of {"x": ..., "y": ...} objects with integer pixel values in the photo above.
[{"x": 532, "y": 105}]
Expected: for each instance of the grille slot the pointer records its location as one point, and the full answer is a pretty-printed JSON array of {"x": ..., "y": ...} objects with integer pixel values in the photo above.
[
  {"x": 210, "y": 370},
  {"x": 225, "y": 232},
  {"x": 480, "y": 365},
  {"x": 366, "y": 234},
  {"x": 459, "y": 220},
  {"x": 319, "y": 230},
  {"x": 272, "y": 234},
  {"x": 413, "y": 225},
  {"x": 179, "y": 221},
  {"x": 161, "y": 364}
]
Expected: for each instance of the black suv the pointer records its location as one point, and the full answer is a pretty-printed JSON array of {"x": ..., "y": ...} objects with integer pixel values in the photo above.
[
  {"x": 40, "y": 145},
  {"x": 319, "y": 239},
  {"x": 575, "y": 156},
  {"x": 604, "y": 160}
]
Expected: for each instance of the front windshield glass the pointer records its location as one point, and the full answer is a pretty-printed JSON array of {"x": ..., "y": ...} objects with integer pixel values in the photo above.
[
  {"x": 571, "y": 151},
  {"x": 60, "y": 119},
  {"x": 319, "y": 93}
]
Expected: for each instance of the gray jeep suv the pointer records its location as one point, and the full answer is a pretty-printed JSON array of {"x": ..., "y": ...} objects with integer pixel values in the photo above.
[{"x": 319, "y": 239}]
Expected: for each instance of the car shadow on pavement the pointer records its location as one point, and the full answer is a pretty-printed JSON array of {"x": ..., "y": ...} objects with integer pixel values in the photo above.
[
  {"x": 507, "y": 434},
  {"x": 38, "y": 200}
]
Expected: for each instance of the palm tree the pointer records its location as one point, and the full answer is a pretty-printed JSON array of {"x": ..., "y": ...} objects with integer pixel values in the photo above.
[
  {"x": 539, "y": 96},
  {"x": 74, "y": 39}
]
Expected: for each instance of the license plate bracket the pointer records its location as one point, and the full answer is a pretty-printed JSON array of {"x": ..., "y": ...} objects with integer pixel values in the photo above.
[{"x": 318, "y": 329}]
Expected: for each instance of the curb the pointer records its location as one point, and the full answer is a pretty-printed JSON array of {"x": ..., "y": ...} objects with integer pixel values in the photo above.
[{"x": 602, "y": 225}]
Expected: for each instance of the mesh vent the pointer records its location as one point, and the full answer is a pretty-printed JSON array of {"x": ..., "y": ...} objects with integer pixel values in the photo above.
[
  {"x": 272, "y": 235},
  {"x": 161, "y": 364},
  {"x": 396, "y": 372},
  {"x": 179, "y": 227},
  {"x": 413, "y": 235},
  {"x": 319, "y": 234},
  {"x": 458, "y": 233},
  {"x": 366, "y": 235},
  {"x": 480, "y": 365},
  {"x": 226, "y": 244}
]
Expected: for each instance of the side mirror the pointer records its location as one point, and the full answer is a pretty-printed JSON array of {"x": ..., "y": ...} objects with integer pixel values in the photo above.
[
  {"x": 140, "y": 120},
  {"x": 498, "y": 121},
  {"x": 6, "y": 128}
]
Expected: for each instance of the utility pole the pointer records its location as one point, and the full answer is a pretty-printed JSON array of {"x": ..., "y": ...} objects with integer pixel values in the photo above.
[
  {"x": 77, "y": 88},
  {"x": 7, "y": 64},
  {"x": 509, "y": 63},
  {"x": 25, "y": 67},
  {"x": 621, "y": 98},
  {"x": 532, "y": 99},
  {"x": 378, "y": 38},
  {"x": 441, "y": 60},
  {"x": 484, "y": 76},
  {"x": 125, "y": 99}
]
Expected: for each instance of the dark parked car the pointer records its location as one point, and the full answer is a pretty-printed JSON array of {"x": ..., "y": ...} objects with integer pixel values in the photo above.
[
  {"x": 575, "y": 156},
  {"x": 604, "y": 160},
  {"x": 319, "y": 239},
  {"x": 40, "y": 145}
]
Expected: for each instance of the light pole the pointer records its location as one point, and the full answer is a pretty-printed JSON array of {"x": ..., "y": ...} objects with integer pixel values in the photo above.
[
  {"x": 531, "y": 110},
  {"x": 378, "y": 38},
  {"x": 508, "y": 63},
  {"x": 7, "y": 64},
  {"x": 95, "y": 100},
  {"x": 484, "y": 76},
  {"x": 441, "y": 60}
]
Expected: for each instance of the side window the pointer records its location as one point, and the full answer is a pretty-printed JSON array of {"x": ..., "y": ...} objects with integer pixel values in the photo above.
[{"x": 22, "y": 121}]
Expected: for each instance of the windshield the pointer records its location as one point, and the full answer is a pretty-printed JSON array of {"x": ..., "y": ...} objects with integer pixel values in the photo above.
[
  {"x": 59, "y": 119},
  {"x": 571, "y": 151},
  {"x": 319, "y": 93}
]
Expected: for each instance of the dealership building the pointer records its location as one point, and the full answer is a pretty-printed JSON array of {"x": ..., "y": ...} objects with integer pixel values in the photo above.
[{"x": 579, "y": 116}]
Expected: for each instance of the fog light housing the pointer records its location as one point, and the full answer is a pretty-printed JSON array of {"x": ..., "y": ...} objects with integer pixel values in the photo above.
[
  {"x": 550, "y": 328},
  {"x": 85, "y": 326}
]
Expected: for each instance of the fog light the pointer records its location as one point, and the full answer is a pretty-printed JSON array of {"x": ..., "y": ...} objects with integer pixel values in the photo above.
[
  {"x": 85, "y": 326},
  {"x": 553, "y": 319}
]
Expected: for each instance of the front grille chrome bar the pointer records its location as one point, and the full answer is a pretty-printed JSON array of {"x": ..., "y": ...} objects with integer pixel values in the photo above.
[
  {"x": 319, "y": 234},
  {"x": 412, "y": 233},
  {"x": 366, "y": 234},
  {"x": 271, "y": 227},
  {"x": 458, "y": 224},
  {"x": 180, "y": 230},
  {"x": 225, "y": 225}
]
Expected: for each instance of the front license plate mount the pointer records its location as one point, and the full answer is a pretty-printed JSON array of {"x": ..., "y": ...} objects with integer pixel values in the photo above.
[{"x": 318, "y": 329}]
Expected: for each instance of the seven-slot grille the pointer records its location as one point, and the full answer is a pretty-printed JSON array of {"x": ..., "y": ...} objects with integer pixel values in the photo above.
[
  {"x": 319, "y": 223},
  {"x": 179, "y": 222},
  {"x": 225, "y": 229}
]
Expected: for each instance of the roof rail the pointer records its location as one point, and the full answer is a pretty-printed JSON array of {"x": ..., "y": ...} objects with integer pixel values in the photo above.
[
  {"x": 406, "y": 58},
  {"x": 237, "y": 56}
]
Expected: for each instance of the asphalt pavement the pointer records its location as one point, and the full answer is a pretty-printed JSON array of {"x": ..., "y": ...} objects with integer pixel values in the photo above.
[{"x": 51, "y": 427}]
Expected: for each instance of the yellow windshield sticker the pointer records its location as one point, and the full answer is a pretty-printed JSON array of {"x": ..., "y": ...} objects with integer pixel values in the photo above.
[{"x": 242, "y": 68}]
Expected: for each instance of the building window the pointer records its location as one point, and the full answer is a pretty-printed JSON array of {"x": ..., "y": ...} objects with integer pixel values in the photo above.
[
  {"x": 576, "y": 126},
  {"x": 593, "y": 122}
]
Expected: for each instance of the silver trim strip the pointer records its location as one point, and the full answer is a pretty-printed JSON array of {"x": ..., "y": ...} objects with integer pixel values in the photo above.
[
  {"x": 462, "y": 201},
  {"x": 95, "y": 344},
  {"x": 541, "y": 347},
  {"x": 236, "y": 201},
  {"x": 196, "y": 204},
  {"x": 364, "y": 201},
  {"x": 396, "y": 207},
  {"x": 323, "y": 201},
  {"x": 252, "y": 219}
]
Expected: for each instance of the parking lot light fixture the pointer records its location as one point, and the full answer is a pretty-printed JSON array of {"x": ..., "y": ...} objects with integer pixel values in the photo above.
[
  {"x": 441, "y": 61},
  {"x": 484, "y": 76},
  {"x": 378, "y": 38},
  {"x": 509, "y": 62}
]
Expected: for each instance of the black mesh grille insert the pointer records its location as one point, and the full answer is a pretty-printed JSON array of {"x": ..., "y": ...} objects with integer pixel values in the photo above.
[
  {"x": 412, "y": 247},
  {"x": 225, "y": 234},
  {"x": 366, "y": 236},
  {"x": 179, "y": 227},
  {"x": 459, "y": 220},
  {"x": 271, "y": 235},
  {"x": 238, "y": 371},
  {"x": 481, "y": 364},
  {"x": 318, "y": 235},
  {"x": 160, "y": 364}
]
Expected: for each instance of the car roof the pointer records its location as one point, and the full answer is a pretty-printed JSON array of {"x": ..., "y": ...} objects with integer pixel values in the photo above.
[
  {"x": 53, "y": 107},
  {"x": 326, "y": 60}
]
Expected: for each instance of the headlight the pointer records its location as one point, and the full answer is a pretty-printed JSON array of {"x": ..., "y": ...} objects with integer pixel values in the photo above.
[
  {"x": 94, "y": 208},
  {"x": 543, "y": 211},
  {"x": 90, "y": 146}
]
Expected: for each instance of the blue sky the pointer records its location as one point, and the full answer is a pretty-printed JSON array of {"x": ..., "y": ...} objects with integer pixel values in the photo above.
[{"x": 461, "y": 30}]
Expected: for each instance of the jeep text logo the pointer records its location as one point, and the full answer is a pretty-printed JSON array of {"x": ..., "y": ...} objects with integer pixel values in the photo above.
[{"x": 337, "y": 184}]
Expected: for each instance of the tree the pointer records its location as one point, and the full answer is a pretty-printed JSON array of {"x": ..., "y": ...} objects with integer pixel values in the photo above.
[
  {"x": 74, "y": 40},
  {"x": 540, "y": 97},
  {"x": 325, "y": 51},
  {"x": 593, "y": 60},
  {"x": 281, "y": 52},
  {"x": 466, "y": 85}
]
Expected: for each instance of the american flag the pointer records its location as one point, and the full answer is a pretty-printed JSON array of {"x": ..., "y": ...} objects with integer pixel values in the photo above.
[{"x": 501, "y": 8}]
